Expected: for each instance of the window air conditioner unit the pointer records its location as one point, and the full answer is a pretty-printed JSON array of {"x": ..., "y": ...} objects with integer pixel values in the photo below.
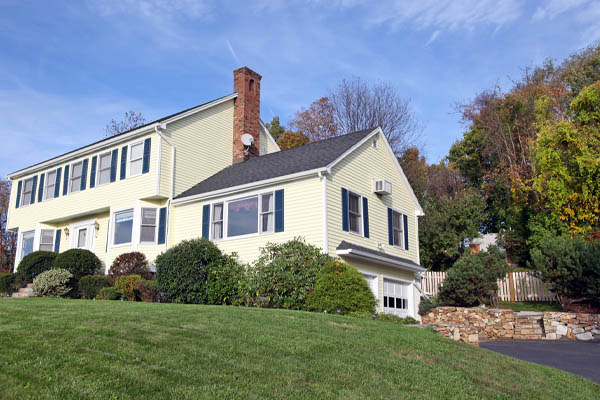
[{"x": 382, "y": 186}]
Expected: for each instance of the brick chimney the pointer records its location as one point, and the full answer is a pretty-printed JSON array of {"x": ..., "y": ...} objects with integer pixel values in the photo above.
[{"x": 246, "y": 112}]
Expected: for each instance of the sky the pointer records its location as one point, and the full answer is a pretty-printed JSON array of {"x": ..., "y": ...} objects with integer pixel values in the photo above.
[{"x": 67, "y": 68}]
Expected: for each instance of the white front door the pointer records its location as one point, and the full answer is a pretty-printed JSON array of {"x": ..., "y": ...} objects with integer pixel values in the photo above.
[
  {"x": 82, "y": 237},
  {"x": 396, "y": 297}
]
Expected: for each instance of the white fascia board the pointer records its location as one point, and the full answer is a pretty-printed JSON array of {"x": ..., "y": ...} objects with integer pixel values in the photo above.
[
  {"x": 240, "y": 188},
  {"x": 269, "y": 136},
  {"x": 380, "y": 259}
]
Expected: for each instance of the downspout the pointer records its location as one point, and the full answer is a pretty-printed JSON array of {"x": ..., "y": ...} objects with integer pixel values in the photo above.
[
  {"x": 158, "y": 130},
  {"x": 323, "y": 178}
]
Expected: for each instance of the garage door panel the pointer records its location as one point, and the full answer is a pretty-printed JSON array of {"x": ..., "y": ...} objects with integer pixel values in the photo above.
[{"x": 395, "y": 298}]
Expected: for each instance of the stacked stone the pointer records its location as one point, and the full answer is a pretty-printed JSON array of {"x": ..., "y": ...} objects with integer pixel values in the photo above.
[
  {"x": 571, "y": 326},
  {"x": 463, "y": 333},
  {"x": 528, "y": 325}
]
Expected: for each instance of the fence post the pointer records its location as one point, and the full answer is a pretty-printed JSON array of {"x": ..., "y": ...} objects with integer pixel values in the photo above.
[{"x": 511, "y": 287}]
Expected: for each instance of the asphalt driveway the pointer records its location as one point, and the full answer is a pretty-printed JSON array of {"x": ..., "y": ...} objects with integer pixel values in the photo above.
[{"x": 581, "y": 358}]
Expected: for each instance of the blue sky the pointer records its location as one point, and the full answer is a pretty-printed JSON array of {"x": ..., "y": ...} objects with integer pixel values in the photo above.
[{"x": 68, "y": 68}]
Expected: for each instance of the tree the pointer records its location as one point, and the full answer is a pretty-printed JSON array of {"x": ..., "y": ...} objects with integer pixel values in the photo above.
[
  {"x": 292, "y": 139},
  {"x": 414, "y": 167},
  {"x": 131, "y": 121},
  {"x": 275, "y": 128},
  {"x": 316, "y": 122},
  {"x": 8, "y": 240}
]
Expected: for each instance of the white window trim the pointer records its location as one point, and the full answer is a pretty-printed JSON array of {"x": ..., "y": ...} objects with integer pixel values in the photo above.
[
  {"x": 410, "y": 299},
  {"x": 23, "y": 192},
  {"x": 128, "y": 163},
  {"x": 109, "y": 153},
  {"x": 156, "y": 213},
  {"x": 46, "y": 180},
  {"x": 134, "y": 232},
  {"x": 401, "y": 245},
  {"x": 361, "y": 222},
  {"x": 20, "y": 244},
  {"x": 213, "y": 222},
  {"x": 82, "y": 224},
  {"x": 231, "y": 199},
  {"x": 70, "y": 181},
  {"x": 53, "y": 237}
]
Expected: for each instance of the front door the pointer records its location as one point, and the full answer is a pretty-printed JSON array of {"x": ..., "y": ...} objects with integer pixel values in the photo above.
[
  {"x": 83, "y": 237},
  {"x": 396, "y": 297}
]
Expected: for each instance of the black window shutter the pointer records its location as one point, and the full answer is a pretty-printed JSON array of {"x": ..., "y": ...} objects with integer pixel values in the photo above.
[
  {"x": 84, "y": 168},
  {"x": 123, "y": 162},
  {"x": 57, "y": 241},
  {"x": 19, "y": 187},
  {"x": 93, "y": 172},
  {"x": 57, "y": 183},
  {"x": 345, "y": 224},
  {"x": 279, "y": 210},
  {"x": 162, "y": 225},
  {"x": 365, "y": 211},
  {"x": 146, "y": 161},
  {"x": 41, "y": 188},
  {"x": 405, "y": 232},
  {"x": 205, "y": 220},
  {"x": 391, "y": 226},
  {"x": 34, "y": 187},
  {"x": 113, "y": 165},
  {"x": 66, "y": 181}
]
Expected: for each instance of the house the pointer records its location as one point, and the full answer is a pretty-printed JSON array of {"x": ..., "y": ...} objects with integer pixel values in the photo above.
[{"x": 215, "y": 171}]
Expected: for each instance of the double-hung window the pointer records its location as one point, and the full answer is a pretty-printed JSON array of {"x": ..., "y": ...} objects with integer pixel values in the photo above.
[
  {"x": 266, "y": 213},
  {"x": 47, "y": 240},
  {"x": 397, "y": 229},
  {"x": 104, "y": 169},
  {"x": 136, "y": 157},
  {"x": 27, "y": 243},
  {"x": 75, "y": 181},
  {"x": 148, "y": 226},
  {"x": 242, "y": 217},
  {"x": 123, "y": 227},
  {"x": 217, "y": 221},
  {"x": 27, "y": 189},
  {"x": 354, "y": 211},
  {"x": 49, "y": 185}
]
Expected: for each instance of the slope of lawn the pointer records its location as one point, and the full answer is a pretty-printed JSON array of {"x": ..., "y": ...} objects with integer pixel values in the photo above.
[{"x": 54, "y": 348}]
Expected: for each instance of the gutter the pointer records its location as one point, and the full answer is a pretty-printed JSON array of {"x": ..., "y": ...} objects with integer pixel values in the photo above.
[{"x": 385, "y": 260}]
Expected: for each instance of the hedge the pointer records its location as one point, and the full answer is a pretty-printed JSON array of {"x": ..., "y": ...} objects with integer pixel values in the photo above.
[
  {"x": 34, "y": 264},
  {"x": 90, "y": 285}
]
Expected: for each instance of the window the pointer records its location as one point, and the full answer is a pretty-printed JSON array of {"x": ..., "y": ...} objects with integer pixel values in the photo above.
[
  {"x": 49, "y": 185},
  {"x": 123, "y": 227},
  {"x": 242, "y": 217},
  {"x": 75, "y": 181},
  {"x": 354, "y": 212},
  {"x": 148, "y": 228},
  {"x": 104, "y": 169},
  {"x": 27, "y": 189},
  {"x": 397, "y": 229},
  {"x": 266, "y": 213},
  {"x": 217, "y": 221},
  {"x": 136, "y": 155},
  {"x": 47, "y": 240},
  {"x": 27, "y": 243},
  {"x": 82, "y": 238}
]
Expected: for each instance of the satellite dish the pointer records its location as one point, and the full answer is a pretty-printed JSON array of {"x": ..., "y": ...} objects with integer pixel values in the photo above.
[{"x": 247, "y": 139}]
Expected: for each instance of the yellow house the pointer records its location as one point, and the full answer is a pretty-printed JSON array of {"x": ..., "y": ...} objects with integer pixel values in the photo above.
[{"x": 215, "y": 171}]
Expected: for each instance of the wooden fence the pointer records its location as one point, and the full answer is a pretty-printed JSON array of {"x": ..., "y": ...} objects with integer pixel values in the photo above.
[{"x": 516, "y": 286}]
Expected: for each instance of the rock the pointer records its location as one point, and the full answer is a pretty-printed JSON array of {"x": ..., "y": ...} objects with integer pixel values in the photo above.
[
  {"x": 551, "y": 336},
  {"x": 584, "y": 336},
  {"x": 577, "y": 331},
  {"x": 555, "y": 323},
  {"x": 456, "y": 334},
  {"x": 561, "y": 330}
]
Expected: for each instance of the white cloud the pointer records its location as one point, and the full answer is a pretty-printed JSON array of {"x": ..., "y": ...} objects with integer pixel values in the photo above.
[
  {"x": 552, "y": 8},
  {"x": 433, "y": 36},
  {"x": 235, "y": 57}
]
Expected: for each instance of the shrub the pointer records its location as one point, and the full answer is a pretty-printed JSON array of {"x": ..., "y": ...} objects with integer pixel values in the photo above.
[
  {"x": 125, "y": 286},
  {"x": 34, "y": 264},
  {"x": 472, "y": 280},
  {"x": 284, "y": 275},
  {"x": 78, "y": 262},
  {"x": 90, "y": 285},
  {"x": 181, "y": 271},
  {"x": 569, "y": 268},
  {"x": 341, "y": 288},
  {"x": 146, "y": 290},
  {"x": 128, "y": 264},
  {"x": 224, "y": 282},
  {"x": 6, "y": 283},
  {"x": 52, "y": 283},
  {"x": 427, "y": 304},
  {"x": 396, "y": 319},
  {"x": 108, "y": 293}
]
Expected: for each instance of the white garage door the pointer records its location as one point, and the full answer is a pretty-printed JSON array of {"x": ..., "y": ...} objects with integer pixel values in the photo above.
[{"x": 395, "y": 297}]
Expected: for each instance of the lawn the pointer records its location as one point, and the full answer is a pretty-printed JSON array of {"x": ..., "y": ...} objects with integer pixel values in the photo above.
[
  {"x": 530, "y": 306},
  {"x": 102, "y": 349}
]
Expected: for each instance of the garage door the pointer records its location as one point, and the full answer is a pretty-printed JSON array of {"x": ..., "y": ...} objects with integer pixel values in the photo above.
[{"x": 395, "y": 297}]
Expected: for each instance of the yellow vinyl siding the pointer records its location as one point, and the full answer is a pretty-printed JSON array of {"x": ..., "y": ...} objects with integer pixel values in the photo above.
[
  {"x": 356, "y": 173},
  {"x": 204, "y": 145},
  {"x": 302, "y": 217},
  {"x": 266, "y": 142}
]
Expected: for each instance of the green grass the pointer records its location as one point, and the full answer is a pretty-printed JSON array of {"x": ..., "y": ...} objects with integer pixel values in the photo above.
[
  {"x": 63, "y": 349},
  {"x": 530, "y": 306}
]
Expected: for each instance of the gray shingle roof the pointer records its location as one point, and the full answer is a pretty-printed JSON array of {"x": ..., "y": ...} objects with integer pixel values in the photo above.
[
  {"x": 351, "y": 246},
  {"x": 279, "y": 164}
]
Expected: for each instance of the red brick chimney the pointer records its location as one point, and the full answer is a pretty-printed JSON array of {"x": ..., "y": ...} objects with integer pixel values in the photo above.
[{"x": 246, "y": 112}]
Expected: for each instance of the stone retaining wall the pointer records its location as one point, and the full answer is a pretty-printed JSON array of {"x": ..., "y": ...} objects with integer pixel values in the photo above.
[{"x": 471, "y": 325}]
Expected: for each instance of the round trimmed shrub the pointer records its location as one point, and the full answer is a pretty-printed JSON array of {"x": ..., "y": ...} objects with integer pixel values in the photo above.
[
  {"x": 340, "y": 288},
  {"x": 125, "y": 286},
  {"x": 90, "y": 285},
  {"x": 473, "y": 279},
  {"x": 108, "y": 293},
  {"x": 52, "y": 283},
  {"x": 285, "y": 275},
  {"x": 34, "y": 264},
  {"x": 79, "y": 262},
  {"x": 128, "y": 264},
  {"x": 181, "y": 271}
]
